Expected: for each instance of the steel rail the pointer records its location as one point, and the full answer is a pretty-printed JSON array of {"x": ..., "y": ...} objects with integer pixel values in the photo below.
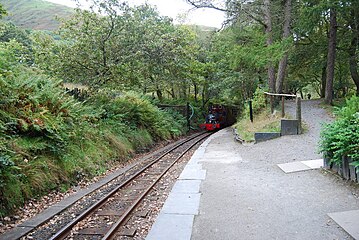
[
  {"x": 112, "y": 232},
  {"x": 63, "y": 232}
]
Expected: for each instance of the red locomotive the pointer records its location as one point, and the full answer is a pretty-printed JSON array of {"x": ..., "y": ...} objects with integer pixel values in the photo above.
[{"x": 216, "y": 118}]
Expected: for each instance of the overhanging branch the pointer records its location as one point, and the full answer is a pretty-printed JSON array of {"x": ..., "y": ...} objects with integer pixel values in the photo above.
[{"x": 208, "y": 4}]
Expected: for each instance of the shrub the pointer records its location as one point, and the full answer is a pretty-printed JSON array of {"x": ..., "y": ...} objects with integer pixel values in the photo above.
[
  {"x": 37, "y": 121},
  {"x": 258, "y": 103},
  {"x": 138, "y": 113},
  {"x": 49, "y": 140},
  {"x": 341, "y": 138}
]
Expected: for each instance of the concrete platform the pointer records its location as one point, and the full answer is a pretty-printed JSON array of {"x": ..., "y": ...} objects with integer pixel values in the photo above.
[
  {"x": 314, "y": 164},
  {"x": 186, "y": 186},
  {"x": 244, "y": 194},
  {"x": 348, "y": 220},
  {"x": 171, "y": 226},
  {"x": 293, "y": 167},
  {"x": 193, "y": 173},
  {"x": 182, "y": 205},
  {"x": 301, "y": 166}
]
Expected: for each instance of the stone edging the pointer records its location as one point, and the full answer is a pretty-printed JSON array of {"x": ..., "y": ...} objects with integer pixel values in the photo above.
[{"x": 345, "y": 169}]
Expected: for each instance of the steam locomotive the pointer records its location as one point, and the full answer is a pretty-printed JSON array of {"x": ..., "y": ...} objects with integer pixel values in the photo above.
[{"x": 218, "y": 117}]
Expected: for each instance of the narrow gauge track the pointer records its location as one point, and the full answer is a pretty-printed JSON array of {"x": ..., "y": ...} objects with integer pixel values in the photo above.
[
  {"x": 104, "y": 218},
  {"x": 47, "y": 228}
]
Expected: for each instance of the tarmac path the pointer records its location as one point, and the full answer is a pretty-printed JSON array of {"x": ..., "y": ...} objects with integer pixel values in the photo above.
[{"x": 245, "y": 195}]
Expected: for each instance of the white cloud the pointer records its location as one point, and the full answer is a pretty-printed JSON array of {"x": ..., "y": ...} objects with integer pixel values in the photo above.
[{"x": 173, "y": 9}]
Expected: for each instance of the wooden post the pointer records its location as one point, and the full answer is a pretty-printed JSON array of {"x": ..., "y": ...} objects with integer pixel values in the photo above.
[
  {"x": 283, "y": 112},
  {"x": 188, "y": 115},
  {"x": 299, "y": 114},
  {"x": 250, "y": 110},
  {"x": 271, "y": 103}
]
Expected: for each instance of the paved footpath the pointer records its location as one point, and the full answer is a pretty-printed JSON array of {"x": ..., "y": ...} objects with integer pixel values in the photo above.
[{"x": 231, "y": 191}]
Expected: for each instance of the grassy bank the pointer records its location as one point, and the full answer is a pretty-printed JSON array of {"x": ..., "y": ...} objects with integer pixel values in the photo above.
[
  {"x": 263, "y": 122},
  {"x": 48, "y": 140}
]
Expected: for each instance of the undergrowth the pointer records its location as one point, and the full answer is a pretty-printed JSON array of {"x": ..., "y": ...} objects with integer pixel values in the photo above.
[
  {"x": 341, "y": 137},
  {"x": 49, "y": 140},
  {"x": 263, "y": 122}
]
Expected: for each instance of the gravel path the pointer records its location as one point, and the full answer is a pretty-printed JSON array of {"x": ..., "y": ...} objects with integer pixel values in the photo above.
[{"x": 246, "y": 196}]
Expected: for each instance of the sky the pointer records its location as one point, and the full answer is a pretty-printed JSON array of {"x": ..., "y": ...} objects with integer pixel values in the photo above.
[{"x": 173, "y": 9}]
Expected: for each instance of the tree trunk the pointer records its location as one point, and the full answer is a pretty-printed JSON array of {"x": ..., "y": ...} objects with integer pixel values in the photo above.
[
  {"x": 184, "y": 91},
  {"x": 353, "y": 66},
  {"x": 159, "y": 95},
  {"x": 324, "y": 80},
  {"x": 286, "y": 33},
  {"x": 173, "y": 92},
  {"x": 331, "y": 56},
  {"x": 195, "y": 92},
  {"x": 269, "y": 33},
  {"x": 204, "y": 94},
  {"x": 170, "y": 94}
]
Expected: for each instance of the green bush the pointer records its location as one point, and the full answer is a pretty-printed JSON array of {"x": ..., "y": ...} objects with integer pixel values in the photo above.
[
  {"x": 258, "y": 104},
  {"x": 136, "y": 112},
  {"x": 37, "y": 122},
  {"x": 49, "y": 140},
  {"x": 341, "y": 138}
]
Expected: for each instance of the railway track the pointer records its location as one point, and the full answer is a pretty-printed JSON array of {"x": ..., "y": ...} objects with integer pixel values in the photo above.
[{"x": 107, "y": 217}]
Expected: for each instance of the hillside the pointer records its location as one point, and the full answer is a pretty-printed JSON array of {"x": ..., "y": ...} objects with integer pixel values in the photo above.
[{"x": 35, "y": 14}]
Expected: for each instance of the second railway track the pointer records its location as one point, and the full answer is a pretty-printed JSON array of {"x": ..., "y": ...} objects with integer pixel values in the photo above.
[{"x": 107, "y": 217}]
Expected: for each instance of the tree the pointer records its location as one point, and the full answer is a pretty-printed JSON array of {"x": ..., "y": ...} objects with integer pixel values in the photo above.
[
  {"x": 353, "y": 28},
  {"x": 286, "y": 34},
  {"x": 91, "y": 46},
  {"x": 9, "y": 32},
  {"x": 2, "y": 11},
  {"x": 269, "y": 33},
  {"x": 126, "y": 48},
  {"x": 260, "y": 13},
  {"x": 331, "y": 56}
]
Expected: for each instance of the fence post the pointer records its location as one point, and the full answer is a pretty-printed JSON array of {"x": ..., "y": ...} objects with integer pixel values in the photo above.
[
  {"x": 250, "y": 110},
  {"x": 188, "y": 115},
  {"x": 299, "y": 114},
  {"x": 283, "y": 112}
]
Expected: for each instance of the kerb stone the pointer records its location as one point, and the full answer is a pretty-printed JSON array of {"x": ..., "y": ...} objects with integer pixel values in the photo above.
[
  {"x": 288, "y": 127},
  {"x": 264, "y": 136}
]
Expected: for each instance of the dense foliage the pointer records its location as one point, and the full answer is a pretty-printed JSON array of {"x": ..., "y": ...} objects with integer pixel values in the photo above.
[
  {"x": 341, "y": 138},
  {"x": 49, "y": 140},
  {"x": 284, "y": 45}
]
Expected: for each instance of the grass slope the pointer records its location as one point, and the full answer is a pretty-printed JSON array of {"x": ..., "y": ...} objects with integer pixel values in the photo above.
[
  {"x": 35, "y": 14},
  {"x": 263, "y": 122}
]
